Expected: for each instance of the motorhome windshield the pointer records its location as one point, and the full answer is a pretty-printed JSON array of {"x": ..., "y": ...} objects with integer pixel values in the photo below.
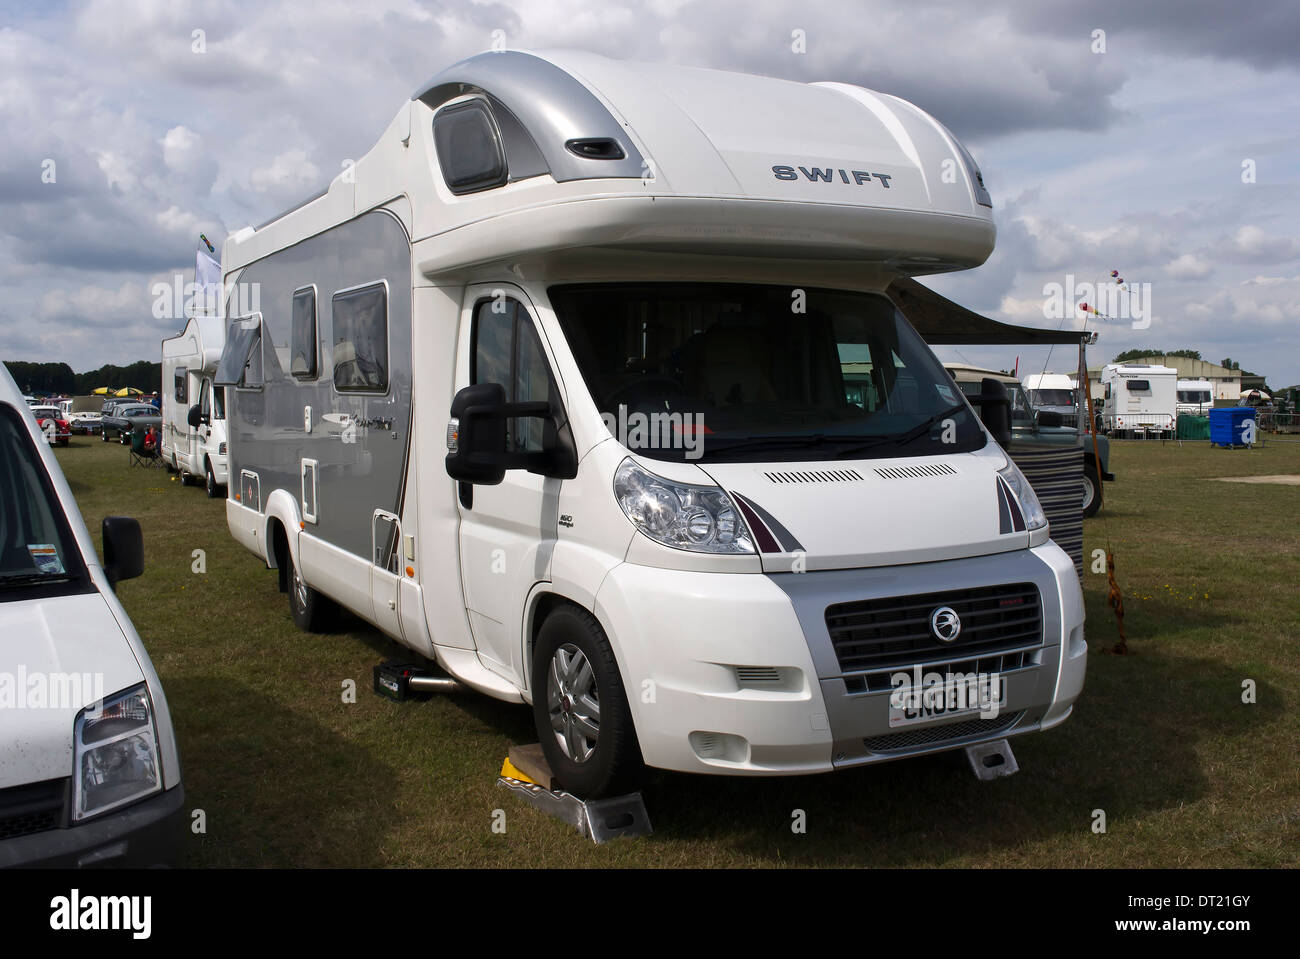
[
  {"x": 37, "y": 552},
  {"x": 754, "y": 373},
  {"x": 1052, "y": 397}
]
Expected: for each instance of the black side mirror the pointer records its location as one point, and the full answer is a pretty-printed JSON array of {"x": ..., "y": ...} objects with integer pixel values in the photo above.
[
  {"x": 195, "y": 417},
  {"x": 476, "y": 438},
  {"x": 123, "y": 549},
  {"x": 995, "y": 409},
  {"x": 1050, "y": 418}
]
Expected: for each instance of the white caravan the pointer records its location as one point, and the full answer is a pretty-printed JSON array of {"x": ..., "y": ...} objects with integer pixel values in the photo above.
[
  {"x": 89, "y": 774},
  {"x": 1056, "y": 392},
  {"x": 193, "y": 410},
  {"x": 1195, "y": 397},
  {"x": 1140, "y": 400},
  {"x": 584, "y": 384}
]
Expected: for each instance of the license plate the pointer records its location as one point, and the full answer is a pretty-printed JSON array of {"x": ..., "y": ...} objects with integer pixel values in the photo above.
[{"x": 950, "y": 700}]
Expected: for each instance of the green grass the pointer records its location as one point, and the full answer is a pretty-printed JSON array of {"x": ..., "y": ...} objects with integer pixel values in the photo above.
[{"x": 290, "y": 775}]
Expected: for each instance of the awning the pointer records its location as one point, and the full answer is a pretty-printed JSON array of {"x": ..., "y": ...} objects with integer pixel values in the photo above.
[
  {"x": 940, "y": 321},
  {"x": 240, "y": 341}
]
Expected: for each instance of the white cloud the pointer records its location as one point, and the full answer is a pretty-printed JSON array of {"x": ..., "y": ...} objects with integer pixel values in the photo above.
[
  {"x": 290, "y": 169},
  {"x": 1189, "y": 266}
]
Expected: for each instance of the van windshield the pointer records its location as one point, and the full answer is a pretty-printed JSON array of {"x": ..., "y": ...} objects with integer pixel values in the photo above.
[
  {"x": 1052, "y": 397},
  {"x": 37, "y": 551},
  {"x": 756, "y": 373}
]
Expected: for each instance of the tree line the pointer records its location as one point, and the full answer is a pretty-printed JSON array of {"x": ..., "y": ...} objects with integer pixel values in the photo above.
[{"x": 35, "y": 378}]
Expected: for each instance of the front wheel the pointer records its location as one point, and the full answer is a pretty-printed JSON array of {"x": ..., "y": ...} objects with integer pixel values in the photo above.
[
  {"x": 214, "y": 490},
  {"x": 581, "y": 708},
  {"x": 1091, "y": 489}
]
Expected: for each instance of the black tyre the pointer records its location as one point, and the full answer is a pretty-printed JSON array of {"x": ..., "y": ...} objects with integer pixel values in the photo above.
[
  {"x": 185, "y": 477},
  {"x": 309, "y": 608},
  {"x": 214, "y": 490},
  {"x": 103, "y": 435},
  {"x": 581, "y": 709},
  {"x": 1091, "y": 489}
]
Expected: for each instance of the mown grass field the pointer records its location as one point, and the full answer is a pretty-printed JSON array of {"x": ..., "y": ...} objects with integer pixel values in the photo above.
[{"x": 288, "y": 774}]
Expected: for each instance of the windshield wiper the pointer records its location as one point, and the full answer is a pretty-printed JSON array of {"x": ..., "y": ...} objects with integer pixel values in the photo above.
[
  {"x": 902, "y": 439},
  {"x": 27, "y": 579},
  {"x": 779, "y": 440}
]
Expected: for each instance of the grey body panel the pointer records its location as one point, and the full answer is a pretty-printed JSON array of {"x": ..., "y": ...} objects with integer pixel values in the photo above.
[
  {"x": 856, "y": 717},
  {"x": 359, "y": 470},
  {"x": 549, "y": 103}
]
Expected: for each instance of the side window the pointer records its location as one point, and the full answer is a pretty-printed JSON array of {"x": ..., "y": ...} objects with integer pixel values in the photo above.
[
  {"x": 205, "y": 399},
  {"x": 218, "y": 402},
  {"x": 361, "y": 340},
  {"x": 302, "y": 338},
  {"x": 508, "y": 351},
  {"x": 179, "y": 384},
  {"x": 469, "y": 147}
]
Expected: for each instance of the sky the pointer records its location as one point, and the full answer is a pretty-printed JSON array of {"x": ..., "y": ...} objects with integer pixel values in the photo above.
[{"x": 1160, "y": 140}]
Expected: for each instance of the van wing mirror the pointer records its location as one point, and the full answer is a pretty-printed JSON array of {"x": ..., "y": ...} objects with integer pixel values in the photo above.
[
  {"x": 476, "y": 438},
  {"x": 1050, "y": 418},
  {"x": 123, "y": 549},
  {"x": 194, "y": 417},
  {"x": 995, "y": 409}
]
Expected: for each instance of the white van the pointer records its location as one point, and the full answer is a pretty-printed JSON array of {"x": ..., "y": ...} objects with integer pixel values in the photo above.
[
  {"x": 1141, "y": 400},
  {"x": 1055, "y": 392},
  {"x": 89, "y": 773},
  {"x": 193, "y": 411},
  {"x": 584, "y": 384}
]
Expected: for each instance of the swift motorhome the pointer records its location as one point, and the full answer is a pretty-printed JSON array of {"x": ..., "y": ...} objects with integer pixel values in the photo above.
[
  {"x": 193, "y": 410},
  {"x": 1195, "y": 397},
  {"x": 584, "y": 385},
  {"x": 1140, "y": 400}
]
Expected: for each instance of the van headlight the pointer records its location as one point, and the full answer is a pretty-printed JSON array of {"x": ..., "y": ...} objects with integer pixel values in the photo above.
[
  {"x": 1035, "y": 518},
  {"x": 116, "y": 753},
  {"x": 698, "y": 518}
]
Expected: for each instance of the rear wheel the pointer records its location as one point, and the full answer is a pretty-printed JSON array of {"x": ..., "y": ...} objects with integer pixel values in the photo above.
[
  {"x": 1091, "y": 489},
  {"x": 581, "y": 708},
  {"x": 309, "y": 608}
]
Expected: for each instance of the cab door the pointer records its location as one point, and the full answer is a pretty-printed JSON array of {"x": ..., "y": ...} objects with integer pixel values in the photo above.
[{"x": 507, "y": 531}]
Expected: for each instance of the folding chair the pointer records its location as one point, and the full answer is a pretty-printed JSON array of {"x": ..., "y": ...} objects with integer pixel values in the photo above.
[{"x": 140, "y": 456}]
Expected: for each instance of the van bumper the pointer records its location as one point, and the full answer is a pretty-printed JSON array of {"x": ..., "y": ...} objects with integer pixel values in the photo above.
[
  {"x": 738, "y": 674},
  {"x": 144, "y": 835}
]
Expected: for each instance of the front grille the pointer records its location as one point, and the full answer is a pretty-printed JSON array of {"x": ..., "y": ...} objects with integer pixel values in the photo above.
[
  {"x": 31, "y": 808},
  {"x": 895, "y": 631},
  {"x": 952, "y": 732}
]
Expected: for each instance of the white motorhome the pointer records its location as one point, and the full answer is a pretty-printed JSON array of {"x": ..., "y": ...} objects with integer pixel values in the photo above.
[
  {"x": 584, "y": 384},
  {"x": 89, "y": 774},
  {"x": 1056, "y": 392},
  {"x": 1195, "y": 397},
  {"x": 1140, "y": 400},
  {"x": 193, "y": 410}
]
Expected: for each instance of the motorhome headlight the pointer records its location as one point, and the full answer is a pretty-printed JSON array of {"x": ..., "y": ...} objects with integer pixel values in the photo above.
[
  {"x": 116, "y": 755},
  {"x": 1035, "y": 518},
  {"x": 698, "y": 518}
]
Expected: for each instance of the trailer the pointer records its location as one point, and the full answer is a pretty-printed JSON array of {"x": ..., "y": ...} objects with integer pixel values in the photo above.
[
  {"x": 1195, "y": 397},
  {"x": 194, "y": 442},
  {"x": 1140, "y": 400},
  {"x": 584, "y": 384}
]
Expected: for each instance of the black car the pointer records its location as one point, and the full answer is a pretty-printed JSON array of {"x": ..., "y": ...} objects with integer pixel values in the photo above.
[{"x": 125, "y": 418}]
